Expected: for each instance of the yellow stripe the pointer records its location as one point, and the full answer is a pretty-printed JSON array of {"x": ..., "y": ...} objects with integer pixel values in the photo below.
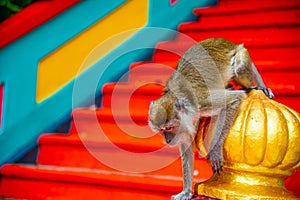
[{"x": 63, "y": 65}]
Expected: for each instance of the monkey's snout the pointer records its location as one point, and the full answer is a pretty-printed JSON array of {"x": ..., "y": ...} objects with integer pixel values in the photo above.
[
  {"x": 168, "y": 140},
  {"x": 168, "y": 137}
]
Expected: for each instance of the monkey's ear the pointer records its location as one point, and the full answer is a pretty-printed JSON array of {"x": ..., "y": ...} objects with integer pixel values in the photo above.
[
  {"x": 240, "y": 46},
  {"x": 182, "y": 105},
  {"x": 151, "y": 104}
]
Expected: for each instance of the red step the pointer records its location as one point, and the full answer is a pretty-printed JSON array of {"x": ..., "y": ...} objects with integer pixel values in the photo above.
[
  {"x": 282, "y": 82},
  {"x": 254, "y": 37},
  {"x": 281, "y": 58},
  {"x": 151, "y": 72},
  {"x": 290, "y": 101},
  {"x": 264, "y": 18},
  {"x": 229, "y": 7},
  {"x": 131, "y": 96},
  {"x": 292, "y": 183},
  {"x": 130, "y": 156},
  {"x": 152, "y": 66},
  {"x": 108, "y": 115},
  {"x": 49, "y": 182},
  {"x": 102, "y": 125},
  {"x": 168, "y": 51}
]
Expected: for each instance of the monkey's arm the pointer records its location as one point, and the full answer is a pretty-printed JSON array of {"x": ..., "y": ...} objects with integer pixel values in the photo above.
[
  {"x": 260, "y": 83},
  {"x": 187, "y": 158}
]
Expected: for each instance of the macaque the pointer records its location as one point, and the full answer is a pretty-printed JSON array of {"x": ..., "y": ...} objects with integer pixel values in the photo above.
[{"x": 199, "y": 87}]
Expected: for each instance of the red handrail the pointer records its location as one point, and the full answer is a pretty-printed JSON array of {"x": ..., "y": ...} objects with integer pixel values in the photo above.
[{"x": 31, "y": 17}]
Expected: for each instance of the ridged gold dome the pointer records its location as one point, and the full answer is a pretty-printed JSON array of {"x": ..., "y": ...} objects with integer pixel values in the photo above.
[
  {"x": 265, "y": 135},
  {"x": 261, "y": 150}
]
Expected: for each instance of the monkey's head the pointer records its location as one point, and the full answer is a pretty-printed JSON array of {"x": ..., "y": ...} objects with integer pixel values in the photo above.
[{"x": 173, "y": 119}]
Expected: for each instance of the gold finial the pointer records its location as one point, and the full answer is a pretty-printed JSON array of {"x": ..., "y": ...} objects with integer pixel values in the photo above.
[{"x": 261, "y": 150}]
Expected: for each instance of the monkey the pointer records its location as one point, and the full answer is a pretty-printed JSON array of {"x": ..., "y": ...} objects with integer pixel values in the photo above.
[{"x": 199, "y": 87}]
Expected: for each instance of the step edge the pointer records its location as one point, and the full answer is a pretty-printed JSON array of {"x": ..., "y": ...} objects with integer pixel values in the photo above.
[
  {"x": 154, "y": 183},
  {"x": 228, "y": 7},
  {"x": 48, "y": 140}
]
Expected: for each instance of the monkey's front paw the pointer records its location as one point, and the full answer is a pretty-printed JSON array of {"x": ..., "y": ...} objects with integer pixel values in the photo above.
[
  {"x": 182, "y": 196},
  {"x": 216, "y": 162},
  {"x": 268, "y": 92}
]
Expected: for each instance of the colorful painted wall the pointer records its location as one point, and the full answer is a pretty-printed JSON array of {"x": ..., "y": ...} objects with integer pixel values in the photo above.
[{"x": 51, "y": 46}]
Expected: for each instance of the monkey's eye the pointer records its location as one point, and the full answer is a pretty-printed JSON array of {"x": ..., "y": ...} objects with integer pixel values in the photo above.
[{"x": 169, "y": 128}]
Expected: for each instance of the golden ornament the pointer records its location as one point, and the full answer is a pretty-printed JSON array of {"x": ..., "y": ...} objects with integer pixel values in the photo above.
[{"x": 261, "y": 150}]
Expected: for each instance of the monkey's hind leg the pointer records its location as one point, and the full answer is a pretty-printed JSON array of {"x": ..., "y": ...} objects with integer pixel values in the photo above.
[{"x": 223, "y": 124}]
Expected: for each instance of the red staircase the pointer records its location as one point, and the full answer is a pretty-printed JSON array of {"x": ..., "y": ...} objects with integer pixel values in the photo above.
[{"x": 110, "y": 153}]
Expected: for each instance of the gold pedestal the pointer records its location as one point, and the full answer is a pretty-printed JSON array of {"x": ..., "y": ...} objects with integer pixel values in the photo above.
[
  {"x": 261, "y": 150},
  {"x": 237, "y": 185}
]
